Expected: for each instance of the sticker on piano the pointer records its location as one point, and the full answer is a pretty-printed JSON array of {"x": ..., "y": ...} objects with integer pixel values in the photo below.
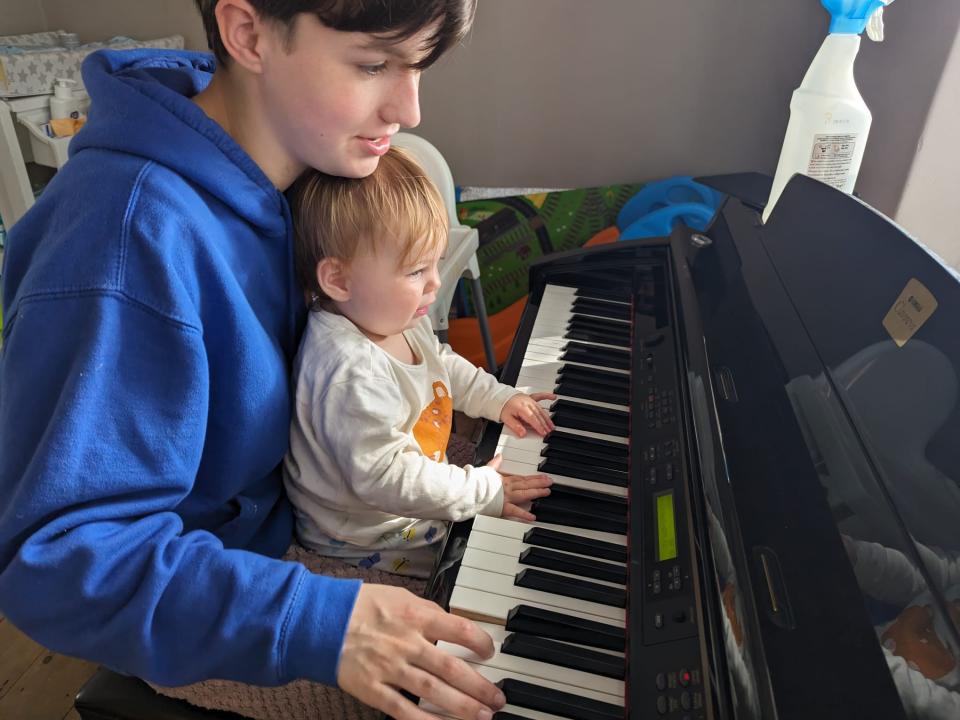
[{"x": 911, "y": 310}]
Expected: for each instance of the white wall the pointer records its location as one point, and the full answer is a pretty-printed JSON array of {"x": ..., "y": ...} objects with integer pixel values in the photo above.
[{"x": 928, "y": 206}]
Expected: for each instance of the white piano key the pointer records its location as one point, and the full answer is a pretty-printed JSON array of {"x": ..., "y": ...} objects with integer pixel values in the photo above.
[
  {"x": 484, "y": 606},
  {"x": 516, "y": 530},
  {"x": 505, "y": 565},
  {"x": 498, "y": 584}
]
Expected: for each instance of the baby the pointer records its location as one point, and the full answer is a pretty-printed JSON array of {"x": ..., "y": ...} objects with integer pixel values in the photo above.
[{"x": 375, "y": 390}]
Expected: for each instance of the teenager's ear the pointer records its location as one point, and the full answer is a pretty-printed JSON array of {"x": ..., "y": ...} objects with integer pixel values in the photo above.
[
  {"x": 242, "y": 32},
  {"x": 333, "y": 276}
]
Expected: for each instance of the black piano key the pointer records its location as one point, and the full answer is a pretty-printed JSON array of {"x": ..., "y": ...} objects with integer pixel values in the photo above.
[
  {"x": 593, "y": 355},
  {"x": 607, "y": 378},
  {"x": 602, "y": 308},
  {"x": 590, "y": 322},
  {"x": 564, "y": 562},
  {"x": 591, "y": 391},
  {"x": 569, "y": 442},
  {"x": 576, "y": 421},
  {"x": 597, "y": 337},
  {"x": 558, "y": 626},
  {"x": 563, "y": 497},
  {"x": 564, "y": 655},
  {"x": 534, "y": 697},
  {"x": 577, "y": 458},
  {"x": 570, "y": 587},
  {"x": 575, "y": 517},
  {"x": 508, "y": 716},
  {"x": 607, "y": 476},
  {"x": 619, "y": 294},
  {"x": 596, "y": 419},
  {"x": 543, "y": 537},
  {"x": 610, "y": 503}
]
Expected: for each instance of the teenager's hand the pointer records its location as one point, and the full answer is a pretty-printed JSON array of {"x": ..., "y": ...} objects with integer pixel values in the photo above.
[
  {"x": 519, "y": 489},
  {"x": 524, "y": 410},
  {"x": 389, "y": 646}
]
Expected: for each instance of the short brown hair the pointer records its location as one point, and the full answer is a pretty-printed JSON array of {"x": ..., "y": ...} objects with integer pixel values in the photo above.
[
  {"x": 391, "y": 20},
  {"x": 341, "y": 217}
]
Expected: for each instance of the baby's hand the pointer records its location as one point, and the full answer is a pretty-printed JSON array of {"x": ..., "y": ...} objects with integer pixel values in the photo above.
[
  {"x": 520, "y": 489},
  {"x": 524, "y": 409}
]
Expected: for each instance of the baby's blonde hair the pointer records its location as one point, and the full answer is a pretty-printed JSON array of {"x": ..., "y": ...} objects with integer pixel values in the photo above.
[{"x": 340, "y": 217}]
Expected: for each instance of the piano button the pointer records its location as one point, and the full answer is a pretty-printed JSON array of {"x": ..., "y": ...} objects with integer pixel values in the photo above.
[
  {"x": 564, "y": 655},
  {"x": 662, "y": 704},
  {"x": 497, "y": 594},
  {"x": 606, "y": 476},
  {"x": 541, "y": 537},
  {"x": 571, "y": 587},
  {"x": 563, "y": 562},
  {"x": 565, "y": 704},
  {"x": 560, "y": 626}
]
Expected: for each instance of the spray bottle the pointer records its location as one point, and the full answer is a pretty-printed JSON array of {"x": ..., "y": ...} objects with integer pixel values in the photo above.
[{"x": 829, "y": 121}]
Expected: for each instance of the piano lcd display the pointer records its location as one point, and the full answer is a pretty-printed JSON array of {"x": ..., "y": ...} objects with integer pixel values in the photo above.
[{"x": 666, "y": 527}]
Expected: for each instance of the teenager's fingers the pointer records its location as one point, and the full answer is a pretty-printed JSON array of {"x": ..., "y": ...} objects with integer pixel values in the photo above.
[
  {"x": 452, "y": 684},
  {"x": 441, "y": 625}
]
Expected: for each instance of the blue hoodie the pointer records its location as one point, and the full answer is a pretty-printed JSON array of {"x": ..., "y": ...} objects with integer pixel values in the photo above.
[{"x": 151, "y": 315}]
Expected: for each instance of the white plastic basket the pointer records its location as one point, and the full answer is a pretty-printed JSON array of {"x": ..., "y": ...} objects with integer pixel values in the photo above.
[{"x": 49, "y": 151}]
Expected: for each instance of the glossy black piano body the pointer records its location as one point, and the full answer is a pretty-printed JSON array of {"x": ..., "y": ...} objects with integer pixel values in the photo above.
[{"x": 793, "y": 417}]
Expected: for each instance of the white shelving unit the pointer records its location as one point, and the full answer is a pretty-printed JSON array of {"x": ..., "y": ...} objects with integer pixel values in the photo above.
[{"x": 20, "y": 145}]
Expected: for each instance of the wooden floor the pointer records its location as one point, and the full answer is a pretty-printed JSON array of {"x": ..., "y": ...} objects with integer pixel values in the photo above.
[{"x": 36, "y": 684}]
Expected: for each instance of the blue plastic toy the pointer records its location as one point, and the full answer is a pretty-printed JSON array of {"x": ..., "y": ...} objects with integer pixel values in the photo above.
[{"x": 654, "y": 210}]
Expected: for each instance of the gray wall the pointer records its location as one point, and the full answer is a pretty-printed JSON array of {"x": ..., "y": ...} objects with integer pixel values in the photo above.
[
  {"x": 21, "y": 16},
  {"x": 928, "y": 206},
  {"x": 567, "y": 93},
  {"x": 570, "y": 93}
]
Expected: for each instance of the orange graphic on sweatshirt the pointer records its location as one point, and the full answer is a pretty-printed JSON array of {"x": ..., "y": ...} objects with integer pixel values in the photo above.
[{"x": 432, "y": 430}]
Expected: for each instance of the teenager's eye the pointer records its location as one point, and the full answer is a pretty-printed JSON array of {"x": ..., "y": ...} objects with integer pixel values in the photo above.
[
  {"x": 416, "y": 273},
  {"x": 374, "y": 69}
]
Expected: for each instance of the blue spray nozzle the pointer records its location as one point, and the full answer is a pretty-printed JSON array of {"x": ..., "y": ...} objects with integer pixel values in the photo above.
[{"x": 850, "y": 16}]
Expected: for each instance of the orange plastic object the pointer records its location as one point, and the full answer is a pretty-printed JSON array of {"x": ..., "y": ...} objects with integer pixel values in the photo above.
[{"x": 464, "y": 334}]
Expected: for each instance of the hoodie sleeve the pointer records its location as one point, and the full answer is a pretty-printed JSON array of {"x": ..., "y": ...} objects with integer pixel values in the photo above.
[
  {"x": 102, "y": 440},
  {"x": 475, "y": 391}
]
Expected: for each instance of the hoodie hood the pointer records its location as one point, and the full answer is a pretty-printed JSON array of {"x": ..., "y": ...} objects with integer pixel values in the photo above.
[{"x": 140, "y": 95}]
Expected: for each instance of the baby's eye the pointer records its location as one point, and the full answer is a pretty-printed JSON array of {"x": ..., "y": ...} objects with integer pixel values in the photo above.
[{"x": 374, "y": 69}]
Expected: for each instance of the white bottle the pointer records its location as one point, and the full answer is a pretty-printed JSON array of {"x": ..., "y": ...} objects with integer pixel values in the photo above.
[
  {"x": 67, "y": 101},
  {"x": 829, "y": 122}
]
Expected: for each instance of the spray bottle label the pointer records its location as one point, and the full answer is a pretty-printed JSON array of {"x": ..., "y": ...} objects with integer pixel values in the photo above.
[{"x": 832, "y": 158}]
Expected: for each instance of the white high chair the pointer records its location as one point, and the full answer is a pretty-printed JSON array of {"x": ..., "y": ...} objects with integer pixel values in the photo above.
[{"x": 460, "y": 259}]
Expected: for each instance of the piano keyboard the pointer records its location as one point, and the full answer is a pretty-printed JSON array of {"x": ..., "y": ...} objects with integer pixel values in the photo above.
[{"x": 553, "y": 593}]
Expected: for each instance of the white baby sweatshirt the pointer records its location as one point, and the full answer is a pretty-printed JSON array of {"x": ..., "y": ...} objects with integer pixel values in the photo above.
[{"x": 369, "y": 435}]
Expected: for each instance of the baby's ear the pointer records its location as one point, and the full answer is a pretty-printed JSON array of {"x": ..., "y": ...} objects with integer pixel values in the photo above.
[{"x": 333, "y": 277}]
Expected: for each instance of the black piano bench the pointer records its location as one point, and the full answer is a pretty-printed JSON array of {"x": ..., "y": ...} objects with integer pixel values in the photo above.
[{"x": 111, "y": 696}]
